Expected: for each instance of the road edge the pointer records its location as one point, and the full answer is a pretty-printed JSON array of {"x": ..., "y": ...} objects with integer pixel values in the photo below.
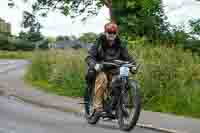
[{"x": 81, "y": 113}]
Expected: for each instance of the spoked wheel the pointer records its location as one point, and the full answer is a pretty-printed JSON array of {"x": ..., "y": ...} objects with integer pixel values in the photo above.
[
  {"x": 129, "y": 107},
  {"x": 89, "y": 108}
]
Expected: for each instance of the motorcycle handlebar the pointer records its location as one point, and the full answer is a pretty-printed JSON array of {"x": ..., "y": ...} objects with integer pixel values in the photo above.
[{"x": 119, "y": 63}]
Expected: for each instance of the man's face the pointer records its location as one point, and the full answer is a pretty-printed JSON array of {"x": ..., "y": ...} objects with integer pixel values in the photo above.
[{"x": 111, "y": 36}]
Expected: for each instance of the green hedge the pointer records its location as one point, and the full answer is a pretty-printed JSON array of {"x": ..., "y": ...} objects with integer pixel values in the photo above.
[{"x": 12, "y": 44}]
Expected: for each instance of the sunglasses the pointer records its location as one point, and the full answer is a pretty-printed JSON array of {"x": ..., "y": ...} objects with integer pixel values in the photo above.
[{"x": 112, "y": 32}]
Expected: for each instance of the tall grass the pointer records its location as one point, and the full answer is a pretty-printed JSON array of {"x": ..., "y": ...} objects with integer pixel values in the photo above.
[
  {"x": 58, "y": 71},
  {"x": 170, "y": 80},
  {"x": 169, "y": 77}
]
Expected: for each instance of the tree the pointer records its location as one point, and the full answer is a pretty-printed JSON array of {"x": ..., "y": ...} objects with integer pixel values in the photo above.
[
  {"x": 195, "y": 25},
  {"x": 51, "y": 39},
  {"x": 89, "y": 37},
  {"x": 73, "y": 37},
  {"x": 146, "y": 18},
  {"x": 60, "y": 38},
  {"x": 135, "y": 17},
  {"x": 30, "y": 22},
  {"x": 22, "y": 35},
  {"x": 31, "y": 36},
  {"x": 66, "y": 37},
  {"x": 179, "y": 35}
]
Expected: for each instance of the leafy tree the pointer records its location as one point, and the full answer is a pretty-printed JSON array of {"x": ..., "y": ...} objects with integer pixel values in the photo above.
[
  {"x": 135, "y": 17},
  {"x": 60, "y": 38},
  {"x": 195, "y": 25},
  {"x": 73, "y": 37},
  {"x": 23, "y": 35},
  {"x": 29, "y": 40},
  {"x": 88, "y": 37},
  {"x": 146, "y": 18},
  {"x": 51, "y": 39},
  {"x": 179, "y": 35},
  {"x": 66, "y": 37},
  {"x": 31, "y": 36}
]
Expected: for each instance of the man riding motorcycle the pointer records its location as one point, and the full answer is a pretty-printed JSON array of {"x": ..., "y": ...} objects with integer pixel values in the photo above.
[{"x": 108, "y": 47}]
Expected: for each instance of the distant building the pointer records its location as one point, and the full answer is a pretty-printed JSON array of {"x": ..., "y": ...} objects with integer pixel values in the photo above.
[
  {"x": 70, "y": 44},
  {"x": 5, "y": 27}
]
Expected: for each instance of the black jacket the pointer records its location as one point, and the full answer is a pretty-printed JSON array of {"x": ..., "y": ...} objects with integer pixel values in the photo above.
[{"x": 100, "y": 51}]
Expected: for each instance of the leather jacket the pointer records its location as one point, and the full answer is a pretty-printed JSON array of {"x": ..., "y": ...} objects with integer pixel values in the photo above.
[{"x": 100, "y": 51}]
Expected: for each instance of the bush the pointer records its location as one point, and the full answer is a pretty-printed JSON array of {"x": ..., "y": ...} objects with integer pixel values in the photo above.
[
  {"x": 3, "y": 42},
  {"x": 23, "y": 45},
  {"x": 12, "y": 44}
]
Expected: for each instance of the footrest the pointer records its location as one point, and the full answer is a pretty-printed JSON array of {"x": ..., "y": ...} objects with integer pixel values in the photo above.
[{"x": 108, "y": 115}]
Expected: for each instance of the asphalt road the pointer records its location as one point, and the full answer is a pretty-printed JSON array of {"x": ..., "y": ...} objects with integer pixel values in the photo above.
[{"x": 19, "y": 117}]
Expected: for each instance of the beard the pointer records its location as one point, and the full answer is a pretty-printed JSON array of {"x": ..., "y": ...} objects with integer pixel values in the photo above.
[{"x": 110, "y": 37}]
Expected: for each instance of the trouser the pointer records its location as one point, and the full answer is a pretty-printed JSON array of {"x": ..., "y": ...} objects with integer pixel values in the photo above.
[
  {"x": 101, "y": 89},
  {"x": 98, "y": 83}
]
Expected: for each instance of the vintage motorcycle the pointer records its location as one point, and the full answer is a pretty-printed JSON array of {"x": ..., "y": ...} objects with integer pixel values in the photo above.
[{"x": 125, "y": 106}]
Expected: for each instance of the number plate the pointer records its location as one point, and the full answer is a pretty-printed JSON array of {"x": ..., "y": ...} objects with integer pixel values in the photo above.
[{"x": 124, "y": 71}]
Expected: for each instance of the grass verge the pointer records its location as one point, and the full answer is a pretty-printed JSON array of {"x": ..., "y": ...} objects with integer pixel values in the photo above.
[{"x": 15, "y": 55}]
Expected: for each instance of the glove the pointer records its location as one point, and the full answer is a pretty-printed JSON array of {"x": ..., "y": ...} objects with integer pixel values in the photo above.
[
  {"x": 133, "y": 70},
  {"x": 98, "y": 67}
]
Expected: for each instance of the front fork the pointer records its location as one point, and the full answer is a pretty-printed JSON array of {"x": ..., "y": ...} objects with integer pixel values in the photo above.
[
  {"x": 123, "y": 97},
  {"x": 124, "y": 83}
]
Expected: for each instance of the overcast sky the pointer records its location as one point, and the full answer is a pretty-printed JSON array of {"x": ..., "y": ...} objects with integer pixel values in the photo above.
[{"x": 178, "y": 12}]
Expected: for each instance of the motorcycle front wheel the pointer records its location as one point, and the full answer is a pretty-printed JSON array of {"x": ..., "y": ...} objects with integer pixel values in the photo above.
[{"x": 129, "y": 107}]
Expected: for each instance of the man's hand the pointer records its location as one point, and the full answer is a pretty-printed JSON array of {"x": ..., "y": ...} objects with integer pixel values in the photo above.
[{"x": 98, "y": 67}]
